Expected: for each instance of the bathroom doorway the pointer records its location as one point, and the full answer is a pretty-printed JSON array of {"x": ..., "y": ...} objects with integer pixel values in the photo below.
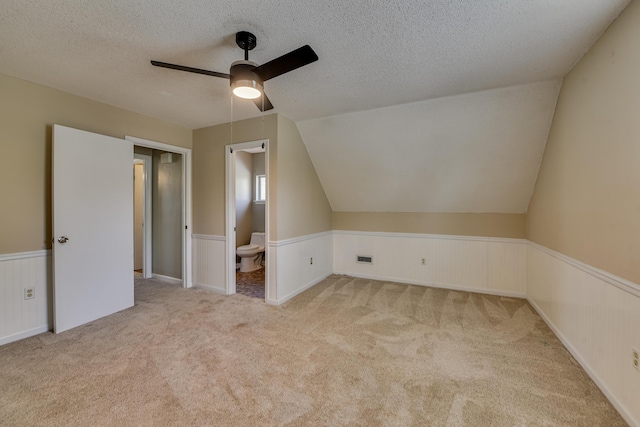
[{"x": 247, "y": 200}]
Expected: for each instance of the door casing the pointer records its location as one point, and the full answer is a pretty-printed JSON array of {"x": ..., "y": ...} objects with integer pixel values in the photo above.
[
  {"x": 230, "y": 220},
  {"x": 186, "y": 200}
]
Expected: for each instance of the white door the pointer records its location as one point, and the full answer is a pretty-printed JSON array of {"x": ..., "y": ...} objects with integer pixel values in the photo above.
[{"x": 92, "y": 226}]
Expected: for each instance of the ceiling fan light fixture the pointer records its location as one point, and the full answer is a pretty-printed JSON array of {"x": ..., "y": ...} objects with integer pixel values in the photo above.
[
  {"x": 247, "y": 89},
  {"x": 246, "y": 77}
]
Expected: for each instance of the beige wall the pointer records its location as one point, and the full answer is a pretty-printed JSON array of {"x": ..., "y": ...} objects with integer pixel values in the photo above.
[
  {"x": 460, "y": 224},
  {"x": 208, "y": 183},
  {"x": 586, "y": 202},
  {"x": 244, "y": 199},
  {"x": 27, "y": 113},
  {"x": 297, "y": 203},
  {"x": 303, "y": 207}
]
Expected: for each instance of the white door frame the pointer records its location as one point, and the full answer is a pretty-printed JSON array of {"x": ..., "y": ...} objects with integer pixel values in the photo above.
[
  {"x": 230, "y": 220},
  {"x": 186, "y": 199},
  {"x": 147, "y": 247}
]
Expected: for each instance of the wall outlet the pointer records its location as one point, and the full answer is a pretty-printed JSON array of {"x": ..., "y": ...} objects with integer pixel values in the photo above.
[
  {"x": 310, "y": 260},
  {"x": 29, "y": 293},
  {"x": 423, "y": 261},
  {"x": 636, "y": 358}
]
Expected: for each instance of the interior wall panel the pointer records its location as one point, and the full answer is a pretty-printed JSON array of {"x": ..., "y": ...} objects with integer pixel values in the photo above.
[
  {"x": 209, "y": 254},
  {"x": 476, "y": 264},
  {"x": 19, "y": 317},
  {"x": 597, "y": 317},
  {"x": 301, "y": 263}
]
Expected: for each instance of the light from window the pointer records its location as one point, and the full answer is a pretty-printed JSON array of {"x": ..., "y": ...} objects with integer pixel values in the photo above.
[{"x": 261, "y": 188}]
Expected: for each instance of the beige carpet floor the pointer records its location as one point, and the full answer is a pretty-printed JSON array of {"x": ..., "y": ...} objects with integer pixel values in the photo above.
[{"x": 346, "y": 352}]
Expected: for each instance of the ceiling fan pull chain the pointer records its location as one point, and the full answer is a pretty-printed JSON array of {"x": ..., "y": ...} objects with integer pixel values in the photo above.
[{"x": 231, "y": 123}]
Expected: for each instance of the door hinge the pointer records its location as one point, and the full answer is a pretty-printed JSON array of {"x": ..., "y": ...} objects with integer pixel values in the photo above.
[{"x": 186, "y": 228}]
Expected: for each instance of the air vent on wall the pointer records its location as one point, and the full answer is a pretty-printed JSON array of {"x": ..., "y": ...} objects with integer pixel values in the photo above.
[{"x": 364, "y": 259}]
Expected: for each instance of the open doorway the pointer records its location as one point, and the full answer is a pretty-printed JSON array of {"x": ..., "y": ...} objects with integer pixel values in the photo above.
[
  {"x": 166, "y": 229},
  {"x": 250, "y": 222},
  {"x": 158, "y": 214},
  {"x": 247, "y": 201}
]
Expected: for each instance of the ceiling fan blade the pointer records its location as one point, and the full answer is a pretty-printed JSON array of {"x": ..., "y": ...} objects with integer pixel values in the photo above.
[
  {"x": 267, "y": 104},
  {"x": 190, "y": 69},
  {"x": 287, "y": 62}
]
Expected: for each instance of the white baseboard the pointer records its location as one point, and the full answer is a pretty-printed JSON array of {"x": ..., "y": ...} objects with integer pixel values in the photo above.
[
  {"x": 209, "y": 288},
  {"x": 624, "y": 412},
  {"x": 24, "y": 334},
  {"x": 167, "y": 278},
  {"x": 439, "y": 285},
  {"x": 300, "y": 290}
]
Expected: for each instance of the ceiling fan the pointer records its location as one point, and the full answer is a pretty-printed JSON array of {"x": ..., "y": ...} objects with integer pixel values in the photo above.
[{"x": 247, "y": 78}]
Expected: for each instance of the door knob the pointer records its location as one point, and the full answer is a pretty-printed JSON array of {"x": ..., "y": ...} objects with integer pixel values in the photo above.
[{"x": 63, "y": 239}]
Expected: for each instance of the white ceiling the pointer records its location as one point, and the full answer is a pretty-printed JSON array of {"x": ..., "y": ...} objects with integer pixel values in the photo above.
[{"x": 374, "y": 55}]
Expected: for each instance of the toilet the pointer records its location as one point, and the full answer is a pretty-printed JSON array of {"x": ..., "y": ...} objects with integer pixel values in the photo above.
[{"x": 251, "y": 254}]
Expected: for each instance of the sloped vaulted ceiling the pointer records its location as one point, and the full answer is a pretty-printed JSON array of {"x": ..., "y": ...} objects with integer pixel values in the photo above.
[
  {"x": 414, "y": 105},
  {"x": 477, "y": 152}
]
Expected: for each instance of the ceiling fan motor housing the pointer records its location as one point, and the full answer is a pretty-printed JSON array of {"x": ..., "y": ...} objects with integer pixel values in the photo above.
[{"x": 242, "y": 74}]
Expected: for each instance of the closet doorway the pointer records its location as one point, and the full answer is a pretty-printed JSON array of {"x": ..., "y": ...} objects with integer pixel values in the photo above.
[{"x": 176, "y": 161}]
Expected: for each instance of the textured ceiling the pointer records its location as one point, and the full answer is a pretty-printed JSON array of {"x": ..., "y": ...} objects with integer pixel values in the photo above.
[
  {"x": 414, "y": 105},
  {"x": 373, "y": 53}
]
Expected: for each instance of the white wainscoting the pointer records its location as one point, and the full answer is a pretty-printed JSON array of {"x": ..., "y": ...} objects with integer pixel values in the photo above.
[
  {"x": 290, "y": 269},
  {"x": 209, "y": 254},
  {"x": 597, "y": 317},
  {"x": 20, "y": 318},
  {"x": 476, "y": 264}
]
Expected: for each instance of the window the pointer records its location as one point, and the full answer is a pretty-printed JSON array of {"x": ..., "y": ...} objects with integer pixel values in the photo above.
[{"x": 261, "y": 188}]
